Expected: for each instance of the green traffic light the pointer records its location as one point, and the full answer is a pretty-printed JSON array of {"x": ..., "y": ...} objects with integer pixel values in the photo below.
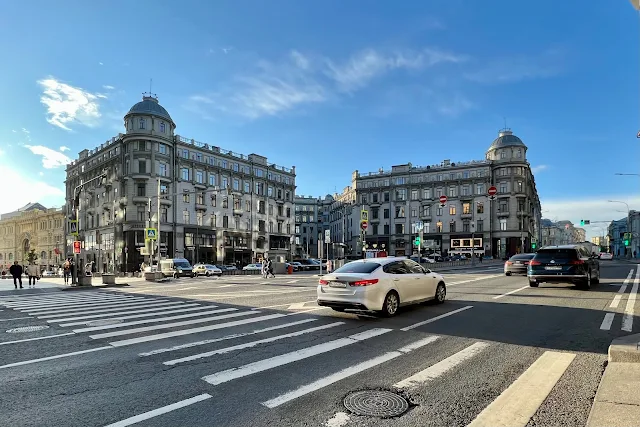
[
  {"x": 626, "y": 242},
  {"x": 582, "y": 222}
]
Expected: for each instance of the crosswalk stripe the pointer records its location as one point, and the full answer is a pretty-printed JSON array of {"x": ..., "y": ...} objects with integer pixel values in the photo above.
[
  {"x": 347, "y": 372},
  {"x": 433, "y": 319},
  {"x": 149, "y": 312},
  {"x": 50, "y": 296},
  {"x": 16, "y": 318},
  {"x": 65, "y": 303},
  {"x": 250, "y": 344},
  {"x": 190, "y": 331},
  {"x": 91, "y": 310},
  {"x": 607, "y": 321},
  {"x": 85, "y": 305},
  {"x": 627, "y": 318},
  {"x": 50, "y": 300},
  {"x": 294, "y": 356},
  {"x": 57, "y": 356},
  {"x": 160, "y": 411},
  {"x": 36, "y": 338},
  {"x": 227, "y": 337},
  {"x": 616, "y": 301},
  {"x": 154, "y": 320},
  {"x": 170, "y": 325},
  {"x": 520, "y": 401},
  {"x": 441, "y": 367}
]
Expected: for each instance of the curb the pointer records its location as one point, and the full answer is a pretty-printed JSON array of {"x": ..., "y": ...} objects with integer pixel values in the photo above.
[
  {"x": 82, "y": 288},
  {"x": 625, "y": 349}
]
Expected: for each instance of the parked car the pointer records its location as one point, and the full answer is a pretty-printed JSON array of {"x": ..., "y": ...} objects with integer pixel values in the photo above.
[
  {"x": 606, "y": 256},
  {"x": 517, "y": 264},
  {"x": 564, "y": 264},
  {"x": 297, "y": 266},
  {"x": 252, "y": 267},
  {"x": 207, "y": 270},
  {"x": 48, "y": 273},
  {"x": 380, "y": 284}
]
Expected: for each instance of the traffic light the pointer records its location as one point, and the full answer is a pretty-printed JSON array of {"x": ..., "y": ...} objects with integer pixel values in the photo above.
[
  {"x": 533, "y": 245},
  {"x": 582, "y": 222},
  {"x": 417, "y": 241},
  {"x": 626, "y": 242}
]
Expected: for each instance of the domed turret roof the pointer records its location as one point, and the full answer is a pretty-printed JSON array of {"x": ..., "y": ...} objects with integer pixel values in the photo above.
[
  {"x": 506, "y": 138},
  {"x": 150, "y": 105}
]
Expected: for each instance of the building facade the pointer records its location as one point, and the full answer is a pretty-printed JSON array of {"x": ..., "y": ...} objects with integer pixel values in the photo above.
[
  {"x": 561, "y": 233},
  {"x": 32, "y": 227},
  {"x": 494, "y": 226},
  {"x": 207, "y": 203},
  {"x": 616, "y": 232}
]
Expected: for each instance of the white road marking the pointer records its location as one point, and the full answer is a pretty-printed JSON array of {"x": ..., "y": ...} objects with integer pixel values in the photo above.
[
  {"x": 616, "y": 301},
  {"x": 518, "y": 403},
  {"x": 36, "y": 339},
  {"x": 340, "y": 419},
  {"x": 58, "y": 300},
  {"x": 227, "y": 337},
  {"x": 154, "y": 320},
  {"x": 170, "y": 325},
  {"x": 294, "y": 356},
  {"x": 607, "y": 321},
  {"x": 208, "y": 328},
  {"x": 473, "y": 280},
  {"x": 87, "y": 306},
  {"x": 160, "y": 411},
  {"x": 623, "y": 288},
  {"x": 299, "y": 305},
  {"x": 293, "y": 281},
  {"x": 63, "y": 304},
  {"x": 57, "y": 356},
  {"x": 87, "y": 310},
  {"x": 433, "y": 319},
  {"x": 250, "y": 344},
  {"x": 345, "y": 373},
  {"x": 16, "y": 318},
  {"x": 250, "y": 294},
  {"x": 179, "y": 309},
  {"x": 511, "y": 292},
  {"x": 442, "y": 367},
  {"x": 627, "y": 318}
]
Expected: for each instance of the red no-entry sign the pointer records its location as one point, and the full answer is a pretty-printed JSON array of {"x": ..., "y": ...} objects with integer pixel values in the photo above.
[
  {"x": 492, "y": 191},
  {"x": 364, "y": 225},
  {"x": 443, "y": 199}
]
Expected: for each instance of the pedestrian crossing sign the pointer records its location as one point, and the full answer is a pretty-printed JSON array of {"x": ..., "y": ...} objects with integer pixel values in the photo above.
[
  {"x": 73, "y": 227},
  {"x": 151, "y": 234}
]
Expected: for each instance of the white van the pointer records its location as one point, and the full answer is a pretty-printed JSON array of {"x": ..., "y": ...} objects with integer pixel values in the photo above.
[{"x": 176, "y": 267}]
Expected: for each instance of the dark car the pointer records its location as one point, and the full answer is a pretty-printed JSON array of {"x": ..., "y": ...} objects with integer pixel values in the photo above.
[
  {"x": 564, "y": 264},
  {"x": 517, "y": 264}
]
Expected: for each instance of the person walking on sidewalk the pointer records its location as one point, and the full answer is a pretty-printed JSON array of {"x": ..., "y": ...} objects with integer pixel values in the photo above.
[
  {"x": 16, "y": 271},
  {"x": 66, "y": 271},
  {"x": 33, "y": 271}
]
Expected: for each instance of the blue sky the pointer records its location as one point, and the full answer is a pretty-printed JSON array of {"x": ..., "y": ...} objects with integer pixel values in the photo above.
[{"x": 333, "y": 86}]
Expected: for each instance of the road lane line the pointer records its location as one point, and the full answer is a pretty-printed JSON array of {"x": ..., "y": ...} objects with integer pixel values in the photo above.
[
  {"x": 287, "y": 358},
  {"x": 623, "y": 288},
  {"x": 190, "y": 331},
  {"x": 607, "y": 321},
  {"x": 616, "y": 301},
  {"x": 125, "y": 314},
  {"x": 227, "y": 337},
  {"x": 293, "y": 281},
  {"x": 160, "y": 411},
  {"x": 86, "y": 311},
  {"x": 347, "y": 372},
  {"x": 250, "y": 344},
  {"x": 57, "y": 356},
  {"x": 442, "y": 367},
  {"x": 433, "y": 319},
  {"x": 518, "y": 403},
  {"x": 627, "y": 318},
  {"x": 37, "y": 339},
  {"x": 511, "y": 292},
  {"x": 474, "y": 280}
]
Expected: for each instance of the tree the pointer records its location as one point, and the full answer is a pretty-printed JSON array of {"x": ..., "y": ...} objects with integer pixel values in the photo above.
[{"x": 32, "y": 256}]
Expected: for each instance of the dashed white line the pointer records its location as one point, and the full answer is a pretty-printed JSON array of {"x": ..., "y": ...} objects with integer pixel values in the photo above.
[
  {"x": 433, "y": 319},
  {"x": 627, "y": 318},
  {"x": 511, "y": 292}
]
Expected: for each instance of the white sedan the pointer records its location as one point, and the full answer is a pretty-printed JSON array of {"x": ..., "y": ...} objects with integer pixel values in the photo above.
[
  {"x": 207, "y": 270},
  {"x": 606, "y": 255},
  {"x": 252, "y": 267},
  {"x": 380, "y": 284}
]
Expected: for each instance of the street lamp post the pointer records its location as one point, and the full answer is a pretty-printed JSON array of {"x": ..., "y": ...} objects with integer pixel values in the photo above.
[
  {"x": 629, "y": 224},
  {"x": 473, "y": 244}
]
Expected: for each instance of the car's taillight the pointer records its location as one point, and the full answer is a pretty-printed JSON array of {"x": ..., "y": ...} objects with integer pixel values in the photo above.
[
  {"x": 323, "y": 282},
  {"x": 364, "y": 282},
  {"x": 526, "y": 263},
  {"x": 534, "y": 262},
  {"x": 508, "y": 263},
  {"x": 576, "y": 262}
]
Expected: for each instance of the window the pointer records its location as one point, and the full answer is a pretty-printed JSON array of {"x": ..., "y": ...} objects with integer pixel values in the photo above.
[
  {"x": 200, "y": 199},
  {"x": 519, "y": 187},
  {"x": 164, "y": 215},
  {"x": 374, "y": 229},
  {"x": 270, "y": 192},
  {"x": 439, "y": 212},
  {"x": 465, "y": 190},
  {"x": 520, "y": 205},
  {"x": 452, "y": 226},
  {"x": 199, "y": 218},
  {"x": 185, "y": 217},
  {"x": 185, "y": 153},
  {"x": 480, "y": 189},
  {"x": 162, "y": 149},
  {"x": 141, "y": 124},
  {"x": 142, "y": 166},
  {"x": 162, "y": 127},
  {"x": 363, "y": 199},
  {"x": 503, "y": 206},
  {"x": 479, "y": 207},
  {"x": 247, "y": 187},
  {"x": 452, "y": 191},
  {"x": 401, "y": 194},
  {"x": 479, "y": 226},
  {"x": 503, "y": 154},
  {"x": 386, "y": 229},
  {"x": 142, "y": 190},
  {"x": 385, "y": 213},
  {"x": 519, "y": 153},
  {"x": 452, "y": 210},
  {"x": 236, "y": 184},
  {"x": 439, "y": 192},
  {"x": 400, "y": 212},
  {"x": 375, "y": 213},
  {"x": 212, "y": 179},
  {"x": 213, "y": 200},
  {"x": 466, "y": 208},
  {"x": 503, "y": 224},
  {"x": 399, "y": 229},
  {"x": 439, "y": 227},
  {"x": 141, "y": 213},
  {"x": 386, "y": 196},
  {"x": 414, "y": 194},
  {"x": 426, "y": 211},
  {"x": 375, "y": 198},
  {"x": 225, "y": 203},
  {"x": 162, "y": 169},
  {"x": 466, "y": 227},
  {"x": 503, "y": 187},
  {"x": 185, "y": 174},
  {"x": 237, "y": 204},
  {"x": 199, "y": 177},
  {"x": 186, "y": 198},
  {"x": 426, "y": 194}
]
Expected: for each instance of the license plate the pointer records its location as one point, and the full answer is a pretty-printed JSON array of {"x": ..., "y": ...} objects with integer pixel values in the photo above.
[
  {"x": 553, "y": 268},
  {"x": 517, "y": 262},
  {"x": 338, "y": 285}
]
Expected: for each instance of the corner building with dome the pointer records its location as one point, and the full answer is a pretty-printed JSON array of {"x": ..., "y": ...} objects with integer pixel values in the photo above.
[
  {"x": 501, "y": 226},
  {"x": 216, "y": 206}
]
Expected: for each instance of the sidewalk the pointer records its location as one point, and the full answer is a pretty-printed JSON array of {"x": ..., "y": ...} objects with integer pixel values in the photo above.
[{"x": 617, "y": 402}]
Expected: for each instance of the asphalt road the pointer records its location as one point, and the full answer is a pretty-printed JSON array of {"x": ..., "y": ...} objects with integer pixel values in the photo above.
[{"x": 245, "y": 351}]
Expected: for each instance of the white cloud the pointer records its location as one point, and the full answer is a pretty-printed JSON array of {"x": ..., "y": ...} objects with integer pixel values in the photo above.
[
  {"x": 599, "y": 209},
  {"x": 539, "y": 168},
  {"x": 108, "y": 87},
  {"x": 100, "y": 63},
  {"x": 25, "y": 189},
  {"x": 455, "y": 105},
  {"x": 14, "y": 131},
  {"x": 67, "y": 104},
  {"x": 41, "y": 173},
  {"x": 64, "y": 148},
  {"x": 50, "y": 158},
  {"x": 521, "y": 67}
]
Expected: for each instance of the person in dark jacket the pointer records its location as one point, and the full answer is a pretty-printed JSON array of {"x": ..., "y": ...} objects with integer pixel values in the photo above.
[{"x": 16, "y": 271}]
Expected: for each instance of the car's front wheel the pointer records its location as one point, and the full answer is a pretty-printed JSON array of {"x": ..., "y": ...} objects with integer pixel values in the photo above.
[
  {"x": 207, "y": 274},
  {"x": 586, "y": 283},
  {"x": 507, "y": 273},
  {"x": 441, "y": 293},
  {"x": 533, "y": 284},
  {"x": 391, "y": 304}
]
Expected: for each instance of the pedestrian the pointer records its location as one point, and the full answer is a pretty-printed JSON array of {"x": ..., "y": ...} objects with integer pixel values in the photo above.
[
  {"x": 34, "y": 274},
  {"x": 270, "y": 268},
  {"x": 66, "y": 271},
  {"x": 16, "y": 271}
]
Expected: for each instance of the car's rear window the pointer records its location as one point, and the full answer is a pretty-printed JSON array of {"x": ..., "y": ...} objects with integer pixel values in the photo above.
[
  {"x": 358, "y": 267},
  {"x": 522, "y": 257},
  {"x": 556, "y": 254}
]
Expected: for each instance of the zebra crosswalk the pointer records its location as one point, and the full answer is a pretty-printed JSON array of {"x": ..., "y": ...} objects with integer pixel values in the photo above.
[{"x": 171, "y": 332}]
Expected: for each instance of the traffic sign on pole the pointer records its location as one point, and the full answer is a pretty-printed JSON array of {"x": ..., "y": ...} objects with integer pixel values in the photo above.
[
  {"x": 73, "y": 227},
  {"x": 443, "y": 199},
  {"x": 76, "y": 247},
  {"x": 492, "y": 191},
  {"x": 364, "y": 225},
  {"x": 364, "y": 215},
  {"x": 151, "y": 234},
  {"x": 327, "y": 236}
]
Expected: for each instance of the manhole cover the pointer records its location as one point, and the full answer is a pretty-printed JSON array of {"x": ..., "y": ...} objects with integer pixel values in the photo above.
[
  {"x": 376, "y": 403},
  {"x": 104, "y": 322},
  {"x": 27, "y": 329}
]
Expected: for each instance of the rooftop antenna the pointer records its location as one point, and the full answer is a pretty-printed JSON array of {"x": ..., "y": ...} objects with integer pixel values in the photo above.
[{"x": 150, "y": 93}]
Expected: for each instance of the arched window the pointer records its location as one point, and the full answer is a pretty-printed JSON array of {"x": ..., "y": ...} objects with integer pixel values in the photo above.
[
  {"x": 519, "y": 153},
  {"x": 141, "y": 123},
  {"x": 43, "y": 255},
  {"x": 162, "y": 127},
  {"x": 10, "y": 256}
]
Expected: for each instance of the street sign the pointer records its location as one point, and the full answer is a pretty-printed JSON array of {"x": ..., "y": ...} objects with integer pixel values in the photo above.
[
  {"x": 364, "y": 225},
  {"x": 327, "y": 236},
  {"x": 492, "y": 191},
  {"x": 73, "y": 227},
  {"x": 419, "y": 225},
  {"x": 364, "y": 215},
  {"x": 151, "y": 234},
  {"x": 443, "y": 199},
  {"x": 76, "y": 247}
]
